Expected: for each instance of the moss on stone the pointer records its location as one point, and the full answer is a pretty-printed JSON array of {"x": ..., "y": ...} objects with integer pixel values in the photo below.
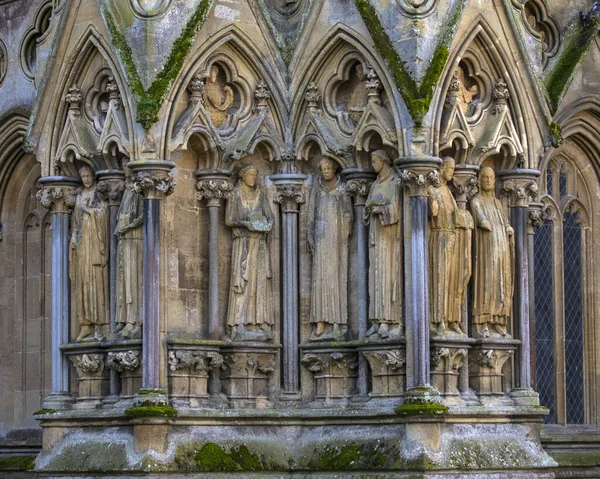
[
  {"x": 151, "y": 410},
  {"x": 149, "y": 101},
  {"x": 416, "y": 97},
  {"x": 576, "y": 46},
  {"x": 45, "y": 411},
  {"x": 556, "y": 138},
  {"x": 421, "y": 409},
  {"x": 210, "y": 457},
  {"x": 17, "y": 463},
  {"x": 349, "y": 457},
  {"x": 576, "y": 458},
  {"x": 145, "y": 392}
]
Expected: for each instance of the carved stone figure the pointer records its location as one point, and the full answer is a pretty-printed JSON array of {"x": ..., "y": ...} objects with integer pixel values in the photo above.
[
  {"x": 250, "y": 313},
  {"x": 359, "y": 96},
  {"x": 383, "y": 213},
  {"x": 467, "y": 96},
  {"x": 89, "y": 259},
  {"x": 129, "y": 261},
  {"x": 493, "y": 276},
  {"x": 329, "y": 226},
  {"x": 444, "y": 275},
  {"x": 217, "y": 98}
]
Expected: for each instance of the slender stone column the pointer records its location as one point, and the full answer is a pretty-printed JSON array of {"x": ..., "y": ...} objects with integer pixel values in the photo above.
[
  {"x": 465, "y": 187},
  {"x": 520, "y": 185},
  {"x": 58, "y": 193},
  {"x": 214, "y": 186},
  {"x": 290, "y": 196},
  {"x": 417, "y": 175},
  {"x": 359, "y": 183},
  {"x": 152, "y": 180}
]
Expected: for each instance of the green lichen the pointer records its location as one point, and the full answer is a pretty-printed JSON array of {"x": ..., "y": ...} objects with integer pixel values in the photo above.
[
  {"x": 577, "y": 44},
  {"x": 149, "y": 101},
  {"x": 145, "y": 392},
  {"x": 424, "y": 409},
  {"x": 210, "y": 457},
  {"x": 17, "y": 463},
  {"x": 416, "y": 97},
  {"x": 349, "y": 457},
  {"x": 556, "y": 138},
  {"x": 151, "y": 409},
  {"x": 45, "y": 411}
]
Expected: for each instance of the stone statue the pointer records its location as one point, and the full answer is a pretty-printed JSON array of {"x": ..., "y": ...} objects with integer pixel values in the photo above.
[
  {"x": 467, "y": 96},
  {"x": 493, "y": 276},
  {"x": 129, "y": 261},
  {"x": 383, "y": 214},
  {"x": 88, "y": 258},
  {"x": 445, "y": 266},
  {"x": 217, "y": 98},
  {"x": 329, "y": 226},
  {"x": 250, "y": 313},
  {"x": 359, "y": 97}
]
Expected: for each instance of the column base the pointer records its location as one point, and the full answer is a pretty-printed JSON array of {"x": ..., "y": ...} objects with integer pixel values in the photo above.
[
  {"x": 525, "y": 397},
  {"x": 422, "y": 395},
  {"x": 58, "y": 401}
]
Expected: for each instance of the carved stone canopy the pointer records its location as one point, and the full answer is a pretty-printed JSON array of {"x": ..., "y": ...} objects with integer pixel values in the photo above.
[{"x": 58, "y": 193}]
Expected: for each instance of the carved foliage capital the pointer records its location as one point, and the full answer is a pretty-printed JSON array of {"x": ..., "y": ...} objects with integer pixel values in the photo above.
[
  {"x": 88, "y": 364},
  {"x": 59, "y": 199},
  {"x": 198, "y": 360},
  {"x": 449, "y": 359},
  {"x": 466, "y": 187},
  {"x": 391, "y": 360},
  {"x": 520, "y": 192},
  {"x": 290, "y": 197},
  {"x": 329, "y": 362},
  {"x": 153, "y": 185},
  {"x": 111, "y": 190},
  {"x": 492, "y": 358},
  {"x": 123, "y": 360},
  {"x": 359, "y": 187},
  {"x": 213, "y": 189},
  {"x": 419, "y": 182}
]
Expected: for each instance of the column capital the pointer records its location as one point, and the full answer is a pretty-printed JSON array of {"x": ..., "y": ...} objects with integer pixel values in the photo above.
[
  {"x": 289, "y": 191},
  {"x": 213, "y": 185},
  {"x": 519, "y": 185},
  {"x": 151, "y": 178},
  {"x": 418, "y": 174},
  {"x": 58, "y": 193},
  {"x": 465, "y": 182},
  {"x": 359, "y": 182},
  {"x": 111, "y": 185}
]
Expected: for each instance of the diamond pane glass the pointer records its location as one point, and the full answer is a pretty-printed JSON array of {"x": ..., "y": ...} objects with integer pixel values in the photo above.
[
  {"x": 573, "y": 319},
  {"x": 544, "y": 320},
  {"x": 562, "y": 184},
  {"x": 549, "y": 182}
]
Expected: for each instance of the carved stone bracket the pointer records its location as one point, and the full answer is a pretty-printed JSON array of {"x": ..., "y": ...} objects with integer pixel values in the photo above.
[
  {"x": 418, "y": 174},
  {"x": 388, "y": 371},
  {"x": 446, "y": 361},
  {"x": 152, "y": 179},
  {"x": 58, "y": 193},
  {"x": 123, "y": 360},
  {"x": 520, "y": 186},
  {"x": 93, "y": 378},
  {"x": 111, "y": 185},
  {"x": 486, "y": 363},
  {"x": 195, "y": 359},
  {"x": 335, "y": 373}
]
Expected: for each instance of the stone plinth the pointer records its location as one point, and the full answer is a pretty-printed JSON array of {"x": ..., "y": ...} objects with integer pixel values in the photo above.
[
  {"x": 486, "y": 369},
  {"x": 387, "y": 363},
  {"x": 92, "y": 378},
  {"x": 189, "y": 370},
  {"x": 126, "y": 360},
  {"x": 246, "y": 373},
  {"x": 335, "y": 371}
]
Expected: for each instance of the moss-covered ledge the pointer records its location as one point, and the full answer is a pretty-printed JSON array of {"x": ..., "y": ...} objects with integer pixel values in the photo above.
[
  {"x": 17, "y": 463},
  {"x": 149, "y": 102},
  {"x": 417, "y": 97}
]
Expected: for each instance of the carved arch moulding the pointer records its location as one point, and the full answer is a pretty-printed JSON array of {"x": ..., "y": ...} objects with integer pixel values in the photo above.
[
  {"x": 35, "y": 36},
  {"x": 3, "y": 61},
  {"x": 540, "y": 25}
]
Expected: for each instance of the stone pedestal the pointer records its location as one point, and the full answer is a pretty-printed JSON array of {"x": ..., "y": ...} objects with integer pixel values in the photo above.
[
  {"x": 335, "y": 372},
  {"x": 388, "y": 371},
  {"x": 448, "y": 360},
  {"x": 189, "y": 371},
  {"x": 486, "y": 369},
  {"x": 125, "y": 361},
  {"x": 246, "y": 374},
  {"x": 93, "y": 379}
]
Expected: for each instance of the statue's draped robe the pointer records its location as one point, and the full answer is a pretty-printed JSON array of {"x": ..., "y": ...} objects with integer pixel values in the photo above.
[
  {"x": 493, "y": 275},
  {"x": 329, "y": 223},
  {"x": 129, "y": 258},
  {"x": 443, "y": 257},
  {"x": 385, "y": 259},
  {"x": 217, "y": 99},
  {"x": 89, "y": 259},
  {"x": 357, "y": 102},
  {"x": 250, "y": 287}
]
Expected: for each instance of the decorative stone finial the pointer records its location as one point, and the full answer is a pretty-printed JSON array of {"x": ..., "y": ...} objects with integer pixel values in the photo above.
[
  {"x": 73, "y": 98},
  {"x": 313, "y": 96},
  {"x": 261, "y": 95},
  {"x": 113, "y": 93},
  {"x": 501, "y": 96},
  {"x": 373, "y": 86},
  {"x": 196, "y": 88}
]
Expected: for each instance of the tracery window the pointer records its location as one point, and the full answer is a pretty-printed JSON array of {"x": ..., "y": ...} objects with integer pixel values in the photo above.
[{"x": 561, "y": 309}]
